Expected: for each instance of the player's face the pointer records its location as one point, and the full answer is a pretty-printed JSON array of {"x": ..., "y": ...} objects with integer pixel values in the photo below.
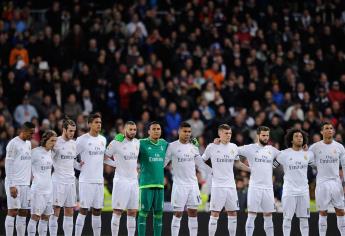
[
  {"x": 155, "y": 131},
  {"x": 185, "y": 133},
  {"x": 69, "y": 132},
  {"x": 131, "y": 131},
  {"x": 51, "y": 142},
  {"x": 297, "y": 139},
  {"x": 263, "y": 137},
  {"x": 27, "y": 134},
  {"x": 96, "y": 125},
  {"x": 327, "y": 131},
  {"x": 225, "y": 135}
]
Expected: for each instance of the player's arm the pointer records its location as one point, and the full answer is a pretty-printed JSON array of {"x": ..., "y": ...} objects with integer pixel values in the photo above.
[
  {"x": 168, "y": 156},
  {"x": 241, "y": 166},
  {"x": 206, "y": 157},
  {"x": 78, "y": 163},
  {"x": 109, "y": 154},
  {"x": 10, "y": 168},
  {"x": 342, "y": 158}
]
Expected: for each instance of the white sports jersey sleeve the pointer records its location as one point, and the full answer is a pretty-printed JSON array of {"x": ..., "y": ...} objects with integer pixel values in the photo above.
[
  {"x": 63, "y": 161},
  {"x": 41, "y": 170},
  {"x": 183, "y": 158},
  {"x": 222, "y": 157},
  {"x": 18, "y": 162},
  {"x": 126, "y": 156},
  {"x": 295, "y": 165},
  {"x": 260, "y": 160},
  {"x": 91, "y": 150},
  {"x": 327, "y": 159}
]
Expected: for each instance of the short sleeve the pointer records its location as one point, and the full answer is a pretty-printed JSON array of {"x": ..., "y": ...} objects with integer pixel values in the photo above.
[
  {"x": 168, "y": 155},
  {"x": 342, "y": 155},
  {"x": 244, "y": 151},
  {"x": 275, "y": 151}
]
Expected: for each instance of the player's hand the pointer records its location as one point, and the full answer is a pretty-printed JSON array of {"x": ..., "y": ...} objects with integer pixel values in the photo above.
[
  {"x": 216, "y": 141},
  {"x": 195, "y": 142},
  {"x": 14, "y": 192},
  {"x": 119, "y": 137},
  {"x": 305, "y": 147},
  {"x": 81, "y": 163}
]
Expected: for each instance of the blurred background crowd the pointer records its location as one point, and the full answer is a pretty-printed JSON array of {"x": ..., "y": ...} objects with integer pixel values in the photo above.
[{"x": 245, "y": 63}]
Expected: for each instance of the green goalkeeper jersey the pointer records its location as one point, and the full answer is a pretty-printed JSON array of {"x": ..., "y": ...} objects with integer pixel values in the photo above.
[{"x": 151, "y": 159}]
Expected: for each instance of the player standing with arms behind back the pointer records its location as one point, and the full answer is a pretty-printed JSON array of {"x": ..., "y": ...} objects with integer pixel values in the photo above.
[
  {"x": 223, "y": 192},
  {"x": 91, "y": 147},
  {"x": 295, "y": 197},
  {"x": 42, "y": 185},
  {"x": 151, "y": 179},
  {"x": 260, "y": 191},
  {"x": 17, "y": 181},
  {"x": 64, "y": 189},
  {"x": 329, "y": 154},
  {"x": 125, "y": 193},
  {"x": 185, "y": 191}
]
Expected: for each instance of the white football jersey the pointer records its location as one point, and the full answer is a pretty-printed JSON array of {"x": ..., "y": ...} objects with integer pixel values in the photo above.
[
  {"x": 18, "y": 166},
  {"x": 260, "y": 160},
  {"x": 91, "y": 150},
  {"x": 222, "y": 157},
  {"x": 64, "y": 155},
  {"x": 295, "y": 164},
  {"x": 183, "y": 157},
  {"x": 126, "y": 156},
  {"x": 327, "y": 159},
  {"x": 42, "y": 170}
]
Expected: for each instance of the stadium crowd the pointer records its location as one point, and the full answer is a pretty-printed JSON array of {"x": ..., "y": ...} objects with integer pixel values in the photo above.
[{"x": 244, "y": 63}]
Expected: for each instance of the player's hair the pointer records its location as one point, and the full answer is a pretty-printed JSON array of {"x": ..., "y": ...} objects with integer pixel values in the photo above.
[
  {"x": 46, "y": 136},
  {"x": 130, "y": 123},
  {"x": 185, "y": 124},
  {"x": 153, "y": 123},
  {"x": 67, "y": 122},
  {"x": 28, "y": 125},
  {"x": 94, "y": 116},
  {"x": 323, "y": 124},
  {"x": 289, "y": 136},
  {"x": 262, "y": 128},
  {"x": 224, "y": 127}
]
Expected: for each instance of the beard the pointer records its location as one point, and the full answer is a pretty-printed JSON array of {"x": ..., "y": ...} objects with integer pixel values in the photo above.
[
  {"x": 263, "y": 143},
  {"x": 130, "y": 137}
]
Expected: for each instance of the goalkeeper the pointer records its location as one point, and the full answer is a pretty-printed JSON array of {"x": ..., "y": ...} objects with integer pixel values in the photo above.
[{"x": 151, "y": 178}]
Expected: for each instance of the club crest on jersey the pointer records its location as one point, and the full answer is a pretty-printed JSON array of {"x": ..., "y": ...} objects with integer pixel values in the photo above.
[
  {"x": 179, "y": 150},
  {"x": 89, "y": 144},
  {"x": 162, "y": 148},
  {"x": 232, "y": 152},
  {"x": 102, "y": 143},
  {"x": 335, "y": 151},
  {"x": 305, "y": 157},
  {"x": 218, "y": 151},
  {"x": 149, "y": 148}
]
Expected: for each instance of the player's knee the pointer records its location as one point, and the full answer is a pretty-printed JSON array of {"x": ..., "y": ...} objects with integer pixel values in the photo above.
[
  {"x": 178, "y": 214},
  {"x": 268, "y": 214},
  {"x": 192, "y": 212},
  {"x": 158, "y": 214},
  {"x": 231, "y": 213},
  {"x": 339, "y": 212},
  {"x": 96, "y": 212},
  {"x": 132, "y": 212},
  {"x": 68, "y": 211},
  {"x": 83, "y": 211},
  {"x": 23, "y": 212},
  {"x": 117, "y": 212},
  {"x": 215, "y": 213},
  {"x": 35, "y": 217},
  {"x": 45, "y": 217},
  {"x": 323, "y": 213},
  {"x": 12, "y": 212},
  {"x": 143, "y": 214}
]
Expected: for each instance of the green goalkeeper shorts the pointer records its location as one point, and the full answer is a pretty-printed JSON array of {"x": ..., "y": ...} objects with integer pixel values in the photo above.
[{"x": 151, "y": 199}]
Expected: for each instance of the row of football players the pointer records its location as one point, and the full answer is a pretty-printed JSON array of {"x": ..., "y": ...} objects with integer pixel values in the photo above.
[{"x": 91, "y": 146}]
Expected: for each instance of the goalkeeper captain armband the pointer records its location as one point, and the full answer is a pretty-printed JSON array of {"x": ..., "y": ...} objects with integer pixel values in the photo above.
[
  {"x": 195, "y": 142},
  {"x": 119, "y": 137}
]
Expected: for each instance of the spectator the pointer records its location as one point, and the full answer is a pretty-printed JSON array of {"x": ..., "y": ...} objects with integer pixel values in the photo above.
[
  {"x": 72, "y": 108},
  {"x": 25, "y": 112},
  {"x": 172, "y": 121},
  {"x": 197, "y": 124}
]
